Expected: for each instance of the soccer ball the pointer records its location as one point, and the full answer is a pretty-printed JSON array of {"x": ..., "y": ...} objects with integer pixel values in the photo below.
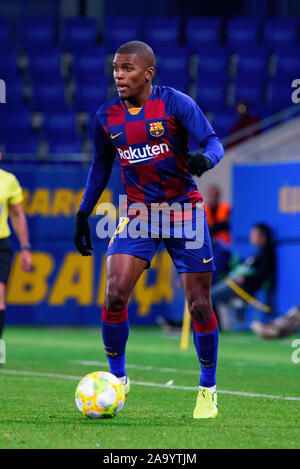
[{"x": 100, "y": 395}]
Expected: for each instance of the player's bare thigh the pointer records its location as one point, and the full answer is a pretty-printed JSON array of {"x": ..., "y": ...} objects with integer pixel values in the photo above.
[
  {"x": 123, "y": 271},
  {"x": 197, "y": 291},
  {"x": 2, "y": 295}
]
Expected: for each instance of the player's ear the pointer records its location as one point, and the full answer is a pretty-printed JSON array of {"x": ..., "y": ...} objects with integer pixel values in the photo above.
[{"x": 149, "y": 73}]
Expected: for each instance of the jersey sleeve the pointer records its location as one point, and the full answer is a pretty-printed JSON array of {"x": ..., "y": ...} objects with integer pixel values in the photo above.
[
  {"x": 100, "y": 170},
  {"x": 190, "y": 116},
  {"x": 15, "y": 191}
]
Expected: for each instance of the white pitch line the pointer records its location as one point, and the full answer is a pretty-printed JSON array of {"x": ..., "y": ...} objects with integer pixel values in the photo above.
[
  {"x": 139, "y": 367},
  {"x": 140, "y": 383}
]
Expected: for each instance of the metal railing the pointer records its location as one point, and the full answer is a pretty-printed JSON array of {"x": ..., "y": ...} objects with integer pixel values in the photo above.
[{"x": 270, "y": 121}]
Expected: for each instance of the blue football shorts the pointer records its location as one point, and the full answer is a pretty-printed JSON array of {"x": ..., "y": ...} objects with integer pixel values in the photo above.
[{"x": 188, "y": 242}]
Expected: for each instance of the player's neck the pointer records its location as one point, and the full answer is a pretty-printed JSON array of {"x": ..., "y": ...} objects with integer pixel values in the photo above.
[{"x": 139, "y": 101}]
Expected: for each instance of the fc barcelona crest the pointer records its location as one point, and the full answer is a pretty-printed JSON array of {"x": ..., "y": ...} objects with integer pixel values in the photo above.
[{"x": 156, "y": 129}]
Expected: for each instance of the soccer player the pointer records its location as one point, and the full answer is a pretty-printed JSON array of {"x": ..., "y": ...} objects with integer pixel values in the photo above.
[
  {"x": 148, "y": 126},
  {"x": 10, "y": 200}
]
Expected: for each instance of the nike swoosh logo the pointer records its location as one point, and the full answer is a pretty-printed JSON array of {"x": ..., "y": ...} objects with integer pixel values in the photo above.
[
  {"x": 207, "y": 260},
  {"x": 117, "y": 135}
]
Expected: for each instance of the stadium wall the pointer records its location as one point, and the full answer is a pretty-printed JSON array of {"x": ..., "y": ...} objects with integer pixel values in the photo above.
[{"x": 270, "y": 193}]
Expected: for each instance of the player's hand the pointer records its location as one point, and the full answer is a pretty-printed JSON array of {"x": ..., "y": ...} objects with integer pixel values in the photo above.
[
  {"x": 82, "y": 233},
  {"x": 26, "y": 260},
  {"x": 197, "y": 163}
]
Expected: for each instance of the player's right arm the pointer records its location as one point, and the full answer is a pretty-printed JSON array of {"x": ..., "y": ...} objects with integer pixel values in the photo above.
[{"x": 99, "y": 173}]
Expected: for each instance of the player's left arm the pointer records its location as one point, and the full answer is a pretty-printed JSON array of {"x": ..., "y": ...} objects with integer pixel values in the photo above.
[
  {"x": 19, "y": 223},
  {"x": 195, "y": 123}
]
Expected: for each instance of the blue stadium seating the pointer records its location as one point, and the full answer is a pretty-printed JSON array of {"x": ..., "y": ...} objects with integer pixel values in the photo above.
[
  {"x": 47, "y": 94},
  {"x": 203, "y": 32},
  {"x": 243, "y": 32},
  {"x": 223, "y": 121},
  {"x": 252, "y": 63},
  {"x": 8, "y": 65},
  {"x": 15, "y": 91},
  {"x": 89, "y": 65},
  {"x": 37, "y": 32},
  {"x": 211, "y": 92},
  {"x": 281, "y": 32},
  {"x": 16, "y": 133},
  {"x": 90, "y": 96},
  {"x": 78, "y": 33},
  {"x": 213, "y": 61},
  {"x": 249, "y": 90},
  {"x": 288, "y": 63},
  {"x": 279, "y": 94},
  {"x": 173, "y": 67},
  {"x": 45, "y": 64},
  {"x": 160, "y": 32},
  {"x": 5, "y": 32},
  {"x": 119, "y": 30},
  {"x": 60, "y": 132},
  {"x": 23, "y": 144}
]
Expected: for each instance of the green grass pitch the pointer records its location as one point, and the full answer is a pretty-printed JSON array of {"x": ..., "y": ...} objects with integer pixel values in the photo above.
[{"x": 258, "y": 398}]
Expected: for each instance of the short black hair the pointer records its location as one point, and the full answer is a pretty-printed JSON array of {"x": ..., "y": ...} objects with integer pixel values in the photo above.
[
  {"x": 266, "y": 231},
  {"x": 140, "y": 48}
]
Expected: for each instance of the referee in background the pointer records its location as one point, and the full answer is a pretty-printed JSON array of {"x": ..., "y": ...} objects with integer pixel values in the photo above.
[{"x": 10, "y": 206}]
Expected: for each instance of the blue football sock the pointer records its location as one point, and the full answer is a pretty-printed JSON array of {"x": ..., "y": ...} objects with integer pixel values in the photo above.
[
  {"x": 115, "y": 338},
  {"x": 206, "y": 344}
]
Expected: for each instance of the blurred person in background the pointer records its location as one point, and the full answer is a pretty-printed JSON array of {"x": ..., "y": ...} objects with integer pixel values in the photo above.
[
  {"x": 10, "y": 206},
  {"x": 244, "y": 120},
  {"x": 283, "y": 326},
  {"x": 217, "y": 214},
  {"x": 258, "y": 271}
]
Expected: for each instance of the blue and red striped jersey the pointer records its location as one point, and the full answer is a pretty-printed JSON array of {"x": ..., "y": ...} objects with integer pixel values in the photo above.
[{"x": 152, "y": 147}]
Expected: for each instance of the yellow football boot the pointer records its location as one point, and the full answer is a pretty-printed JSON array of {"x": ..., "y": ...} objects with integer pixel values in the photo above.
[
  {"x": 127, "y": 386},
  {"x": 206, "y": 405}
]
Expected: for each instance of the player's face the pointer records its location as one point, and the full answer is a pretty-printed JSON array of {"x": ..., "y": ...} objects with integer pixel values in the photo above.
[
  {"x": 256, "y": 237},
  {"x": 131, "y": 75}
]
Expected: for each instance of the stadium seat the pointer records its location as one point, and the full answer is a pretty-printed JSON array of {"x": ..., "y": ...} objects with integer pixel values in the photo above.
[
  {"x": 203, "y": 32},
  {"x": 173, "y": 68},
  {"x": 9, "y": 65},
  {"x": 60, "y": 132},
  {"x": 89, "y": 65},
  {"x": 5, "y": 33},
  {"x": 45, "y": 63},
  {"x": 213, "y": 61},
  {"x": 16, "y": 131},
  {"x": 243, "y": 32},
  {"x": 279, "y": 94},
  {"x": 223, "y": 121},
  {"x": 211, "y": 92},
  {"x": 249, "y": 90},
  {"x": 281, "y": 32},
  {"x": 119, "y": 30},
  {"x": 23, "y": 144},
  {"x": 37, "y": 32},
  {"x": 78, "y": 33},
  {"x": 90, "y": 96},
  {"x": 252, "y": 63},
  {"x": 160, "y": 32},
  {"x": 47, "y": 94},
  {"x": 15, "y": 91},
  {"x": 288, "y": 63}
]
